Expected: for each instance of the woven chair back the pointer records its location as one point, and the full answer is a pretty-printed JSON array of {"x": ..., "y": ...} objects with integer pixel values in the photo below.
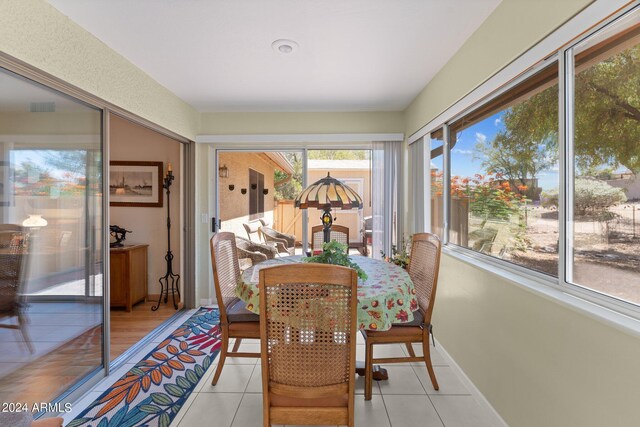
[
  {"x": 226, "y": 270},
  {"x": 339, "y": 233},
  {"x": 308, "y": 324},
  {"x": 12, "y": 261},
  {"x": 423, "y": 268}
]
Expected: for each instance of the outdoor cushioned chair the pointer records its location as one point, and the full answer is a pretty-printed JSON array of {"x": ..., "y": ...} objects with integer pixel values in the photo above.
[
  {"x": 235, "y": 320},
  {"x": 13, "y": 260},
  {"x": 339, "y": 233},
  {"x": 308, "y": 343},
  {"x": 423, "y": 268},
  {"x": 256, "y": 252},
  {"x": 284, "y": 243},
  {"x": 253, "y": 230}
]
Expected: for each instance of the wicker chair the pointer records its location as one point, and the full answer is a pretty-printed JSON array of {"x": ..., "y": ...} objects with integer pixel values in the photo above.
[
  {"x": 284, "y": 243},
  {"x": 308, "y": 344},
  {"x": 235, "y": 320},
  {"x": 339, "y": 233},
  {"x": 256, "y": 252},
  {"x": 423, "y": 269},
  {"x": 13, "y": 260},
  {"x": 253, "y": 230}
]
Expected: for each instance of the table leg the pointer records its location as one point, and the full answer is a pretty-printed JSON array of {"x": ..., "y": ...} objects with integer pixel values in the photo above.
[{"x": 379, "y": 373}]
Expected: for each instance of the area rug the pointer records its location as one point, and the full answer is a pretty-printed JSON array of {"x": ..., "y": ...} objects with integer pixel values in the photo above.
[{"x": 154, "y": 390}]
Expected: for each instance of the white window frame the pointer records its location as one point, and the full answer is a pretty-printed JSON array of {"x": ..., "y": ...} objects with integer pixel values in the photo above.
[{"x": 621, "y": 314}]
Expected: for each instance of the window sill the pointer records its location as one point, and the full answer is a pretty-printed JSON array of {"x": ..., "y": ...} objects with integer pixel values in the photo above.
[{"x": 546, "y": 287}]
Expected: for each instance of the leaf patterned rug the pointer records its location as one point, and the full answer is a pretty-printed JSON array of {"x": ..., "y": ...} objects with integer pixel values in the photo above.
[{"x": 154, "y": 390}]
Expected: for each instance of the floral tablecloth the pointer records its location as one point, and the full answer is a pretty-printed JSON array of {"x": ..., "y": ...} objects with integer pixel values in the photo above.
[{"x": 386, "y": 297}]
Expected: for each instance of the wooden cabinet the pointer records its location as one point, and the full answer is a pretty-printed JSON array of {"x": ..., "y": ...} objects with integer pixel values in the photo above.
[{"x": 128, "y": 281}]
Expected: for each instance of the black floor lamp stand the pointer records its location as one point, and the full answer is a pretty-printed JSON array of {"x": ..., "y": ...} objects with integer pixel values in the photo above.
[{"x": 170, "y": 282}]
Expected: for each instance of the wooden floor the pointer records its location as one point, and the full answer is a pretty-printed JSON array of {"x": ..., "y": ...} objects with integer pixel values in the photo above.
[{"x": 129, "y": 328}]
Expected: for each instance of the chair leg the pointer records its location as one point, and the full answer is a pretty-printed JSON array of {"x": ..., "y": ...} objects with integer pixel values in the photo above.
[
  {"x": 368, "y": 371},
  {"x": 427, "y": 359},
  {"x": 236, "y": 346},
  {"x": 410, "y": 349},
  {"x": 23, "y": 330},
  {"x": 223, "y": 354}
]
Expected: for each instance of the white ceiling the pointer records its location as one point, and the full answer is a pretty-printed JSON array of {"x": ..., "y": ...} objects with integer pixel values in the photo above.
[{"x": 354, "y": 55}]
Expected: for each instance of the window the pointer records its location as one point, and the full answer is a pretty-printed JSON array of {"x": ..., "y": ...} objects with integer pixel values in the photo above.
[
  {"x": 504, "y": 175},
  {"x": 604, "y": 190},
  {"x": 436, "y": 166},
  {"x": 256, "y": 194}
]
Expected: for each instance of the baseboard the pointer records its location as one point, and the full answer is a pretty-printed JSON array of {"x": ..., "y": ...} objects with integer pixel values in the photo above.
[{"x": 494, "y": 417}]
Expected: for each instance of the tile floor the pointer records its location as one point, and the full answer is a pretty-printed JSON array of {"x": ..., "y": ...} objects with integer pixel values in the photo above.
[{"x": 407, "y": 398}]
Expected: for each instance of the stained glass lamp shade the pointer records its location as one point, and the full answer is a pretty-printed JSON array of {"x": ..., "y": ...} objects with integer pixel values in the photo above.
[{"x": 325, "y": 194}]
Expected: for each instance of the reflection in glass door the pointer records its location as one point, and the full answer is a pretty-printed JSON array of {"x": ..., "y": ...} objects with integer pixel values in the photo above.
[{"x": 51, "y": 261}]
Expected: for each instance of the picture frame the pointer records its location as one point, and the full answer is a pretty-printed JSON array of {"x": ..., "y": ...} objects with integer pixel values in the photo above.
[{"x": 135, "y": 184}]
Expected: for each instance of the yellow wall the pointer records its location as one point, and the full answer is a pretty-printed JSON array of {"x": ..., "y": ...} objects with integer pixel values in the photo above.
[
  {"x": 512, "y": 28},
  {"x": 234, "y": 206},
  {"x": 130, "y": 141},
  {"x": 38, "y": 34},
  {"x": 539, "y": 363},
  {"x": 292, "y": 123}
]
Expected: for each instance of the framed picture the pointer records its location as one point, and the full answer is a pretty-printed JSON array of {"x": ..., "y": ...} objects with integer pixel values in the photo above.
[
  {"x": 136, "y": 184},
  {"x": 6, "y": 184}
]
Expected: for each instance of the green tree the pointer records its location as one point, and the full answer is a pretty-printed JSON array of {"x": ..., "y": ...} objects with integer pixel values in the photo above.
[{"x": 289, "y": 186}]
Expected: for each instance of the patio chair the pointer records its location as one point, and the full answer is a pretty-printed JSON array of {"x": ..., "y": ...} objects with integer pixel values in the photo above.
[
  {"x": 235, "y": 320},
  {"x": 254, "y": 252},
  {"x": 339, "y": 233},
  {"x": 253, "y": 230},
  {"x": 423, "y": 268},
  {"x": 308, "y": 344},
  {"x": 284, "y": 243},
  {"x": 13, "y": 260}
]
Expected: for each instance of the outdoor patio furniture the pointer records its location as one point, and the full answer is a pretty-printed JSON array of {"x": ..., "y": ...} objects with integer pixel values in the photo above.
[
  {"x": 13, "y": 259},
  {"x": 235, "y": 320},
  {"x": 423, "y": 268},
  {"x": 367, "y": 234},
  {"x": 308, "y": 344},
  {"x": 256, "y": 252},
  {"x": 284, "y": 243},
  {"x": 339, "y": 233},
  {"x": 253, "y": 230}
]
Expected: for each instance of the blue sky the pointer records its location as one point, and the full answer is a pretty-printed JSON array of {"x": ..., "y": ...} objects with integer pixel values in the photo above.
[{"x": 466, "y": 161}]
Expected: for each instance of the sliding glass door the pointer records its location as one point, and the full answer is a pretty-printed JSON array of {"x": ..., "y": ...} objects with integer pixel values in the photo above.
[{"x": 51, "y": 235}]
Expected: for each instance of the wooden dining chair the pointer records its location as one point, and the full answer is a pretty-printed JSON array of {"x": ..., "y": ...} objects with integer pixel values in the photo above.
[
  {"x": 424, "y": 264},
  {"x": 308, "y": 344},
  {"x": 235, "y": 320},
  {"x": 339, "y": 233}
]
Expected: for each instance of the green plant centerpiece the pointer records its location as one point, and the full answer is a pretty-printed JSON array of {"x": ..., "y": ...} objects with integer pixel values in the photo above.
[{"x": 336, "y": 253}]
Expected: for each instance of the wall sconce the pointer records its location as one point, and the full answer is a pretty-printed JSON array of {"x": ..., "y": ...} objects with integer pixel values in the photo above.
[
  {"x": 232, "y": 187},
  {"x": 265, "y": 191},
  {"x": 223, "y": 171},
  {"x": 243, "y": 191},
  {"x": 254, "y": 186}
]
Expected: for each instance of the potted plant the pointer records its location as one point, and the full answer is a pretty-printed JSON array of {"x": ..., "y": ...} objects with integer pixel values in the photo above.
[{"x": 336, "y": 253}]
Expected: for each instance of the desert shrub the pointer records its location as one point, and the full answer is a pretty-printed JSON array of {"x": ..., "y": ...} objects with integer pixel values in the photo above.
[{"x": 591, "y": 196}]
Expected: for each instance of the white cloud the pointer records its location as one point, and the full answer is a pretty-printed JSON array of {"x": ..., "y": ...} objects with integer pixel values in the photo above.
[
  {"x": 464, "y": 152},
  {"x": 497, "y": 122},
  {"x": 481, "y": 138}
]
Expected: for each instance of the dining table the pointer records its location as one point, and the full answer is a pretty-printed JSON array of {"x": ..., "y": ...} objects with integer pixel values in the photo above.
[{"x": 387, "y": 296}]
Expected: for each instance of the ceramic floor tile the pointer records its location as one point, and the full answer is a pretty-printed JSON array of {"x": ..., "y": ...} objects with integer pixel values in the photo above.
[
  {"x": 249, "y": 412},
  {"x": 255, "y": 382},
  {"x": 212, "y": 410},
  {"x": 402, "y": 380},
  {"x": 460, "y": 411},
  {"x": 185, "y": 408},
  {"x": 359, "y": 389},
  {"x": 447, "y": 380},
  {"x": 233, "y": 379},
  {"x": 370, "y": 413},
  {"x": 383, "y": 350},
  {"x": 411, "y": 411},
  {"x": 246, "y": 348}
]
